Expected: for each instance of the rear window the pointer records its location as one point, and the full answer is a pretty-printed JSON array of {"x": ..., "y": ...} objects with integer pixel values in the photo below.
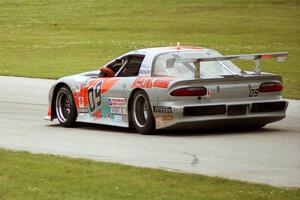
[{"x": 163, "y": 67}]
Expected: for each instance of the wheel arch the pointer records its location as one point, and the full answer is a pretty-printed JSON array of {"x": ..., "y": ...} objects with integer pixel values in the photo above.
[
  {"x": 55, "y": 90},
  {"x": 129, "y": 105}
]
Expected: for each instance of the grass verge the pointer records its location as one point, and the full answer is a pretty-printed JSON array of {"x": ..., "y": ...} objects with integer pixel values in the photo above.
[
  {"x": 50, "y": 39},
  {"x": 36, "y": 176}
]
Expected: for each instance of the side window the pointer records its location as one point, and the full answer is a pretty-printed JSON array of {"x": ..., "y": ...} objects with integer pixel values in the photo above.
[
  {"x": 116, "y": 65},
  {"x": 132, "y": 66}
]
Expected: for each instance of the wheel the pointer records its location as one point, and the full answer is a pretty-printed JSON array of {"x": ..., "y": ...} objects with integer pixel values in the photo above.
[
  {"x": 65, "y": 107},
  {"x": 142, "y": 115}
]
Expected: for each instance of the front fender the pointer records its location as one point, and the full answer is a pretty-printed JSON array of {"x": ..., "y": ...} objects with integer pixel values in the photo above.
[{"x": 73, "y": 82}]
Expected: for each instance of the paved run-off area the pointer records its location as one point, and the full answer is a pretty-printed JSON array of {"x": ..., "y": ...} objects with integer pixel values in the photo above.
[{"x": 269, "y": 155}]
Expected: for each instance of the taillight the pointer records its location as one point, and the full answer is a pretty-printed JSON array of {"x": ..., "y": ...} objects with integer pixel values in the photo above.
[
  {"x": 270, "y": 87},
  {"x": 190, "y": 91}
]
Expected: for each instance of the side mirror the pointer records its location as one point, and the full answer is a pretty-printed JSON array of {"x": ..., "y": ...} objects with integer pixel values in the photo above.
[{"x": 107, "y": 72}]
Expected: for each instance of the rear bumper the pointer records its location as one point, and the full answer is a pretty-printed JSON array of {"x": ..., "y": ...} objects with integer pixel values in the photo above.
[{"x": 222, "y": 115}]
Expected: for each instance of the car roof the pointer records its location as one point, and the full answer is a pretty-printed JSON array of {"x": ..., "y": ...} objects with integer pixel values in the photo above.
[{"x": 159, "y": 50}]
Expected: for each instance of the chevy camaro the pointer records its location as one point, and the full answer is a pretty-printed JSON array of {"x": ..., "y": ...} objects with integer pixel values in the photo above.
[{"x": 176, "y": 87}]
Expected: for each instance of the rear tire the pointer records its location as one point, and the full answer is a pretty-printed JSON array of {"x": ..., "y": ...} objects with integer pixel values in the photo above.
[
  {"x": 65, "y": 107},
  {"x": 141, "y": 114}
]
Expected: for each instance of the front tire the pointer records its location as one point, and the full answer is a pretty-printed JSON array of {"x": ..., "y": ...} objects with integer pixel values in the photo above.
[
  {"x": 65, "y": 107},
  {"x": 141, "y": 114}
]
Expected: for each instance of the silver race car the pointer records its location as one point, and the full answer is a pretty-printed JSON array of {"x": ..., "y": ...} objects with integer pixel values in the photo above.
[{"x": 176, "y": 87}]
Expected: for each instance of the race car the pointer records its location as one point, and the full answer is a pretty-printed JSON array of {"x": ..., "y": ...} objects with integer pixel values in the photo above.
[{"x": 177, "y": 87}]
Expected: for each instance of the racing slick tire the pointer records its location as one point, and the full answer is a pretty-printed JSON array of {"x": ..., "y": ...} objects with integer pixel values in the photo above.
[
  {"x": 141, "y": 113},
  {"x": 65, "y": 107}
]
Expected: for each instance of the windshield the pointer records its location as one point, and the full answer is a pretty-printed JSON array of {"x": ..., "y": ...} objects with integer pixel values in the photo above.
[{"x": 166, "y": 64}]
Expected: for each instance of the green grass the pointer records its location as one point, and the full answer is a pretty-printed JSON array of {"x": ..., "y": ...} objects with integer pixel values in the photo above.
[
  {"x": 53, "y": 38},
  {"x": 27, "y": 176}
]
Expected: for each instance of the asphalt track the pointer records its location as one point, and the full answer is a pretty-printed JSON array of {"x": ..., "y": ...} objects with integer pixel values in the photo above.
[{"x": 270, "y": 155}]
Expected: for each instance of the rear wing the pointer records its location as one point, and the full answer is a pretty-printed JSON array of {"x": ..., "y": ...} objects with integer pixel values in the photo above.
[{"x": 281, "y": 56}]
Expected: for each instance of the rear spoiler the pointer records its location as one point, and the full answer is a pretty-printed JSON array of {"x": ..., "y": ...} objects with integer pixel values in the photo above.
[{"x": 281, "y": 56}]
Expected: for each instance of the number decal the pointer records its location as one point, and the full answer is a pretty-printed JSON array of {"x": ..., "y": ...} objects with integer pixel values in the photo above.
[
  {"x": 91, "y": 99},
  {"x": 98, "y": 93},
  {"x": 253, "y": 92},
  {"x": 94, "y": 96}
]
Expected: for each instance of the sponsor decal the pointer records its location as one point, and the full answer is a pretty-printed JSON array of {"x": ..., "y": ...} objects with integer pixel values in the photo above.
[
  {"x": 159, "y": 121},
  {"x": 81, "y": 102},
  {"x": 116, "y": 102},
  {"x": 118, "y": 111},
  {"x": 83, "y": 115},
  {"x": 144, "y": 71},
  {"x": 142, "y": 82},
  {"x": 81, "y": 96},
  {"x": 118, "y": 118},
  {"x": 146, "y": 82},
  {"x": 169, "y": 117},
  {"x": 83, "y": 110},
  {"x": 162, "y": 109}
]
